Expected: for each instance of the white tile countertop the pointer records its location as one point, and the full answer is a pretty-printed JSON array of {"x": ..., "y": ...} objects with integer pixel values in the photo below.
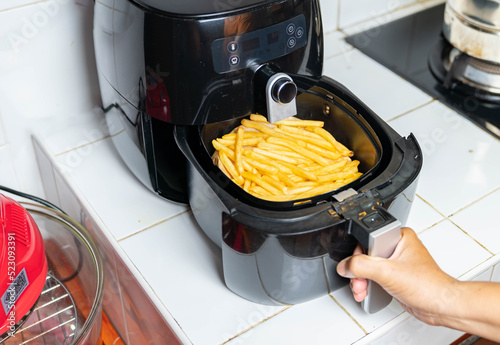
[{"x": 179, "y": 269}]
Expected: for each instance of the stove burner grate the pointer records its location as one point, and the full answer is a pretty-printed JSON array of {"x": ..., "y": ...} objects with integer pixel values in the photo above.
[
  {"x": 485, "y": 66},
  {"x": 464, "y": 74}
]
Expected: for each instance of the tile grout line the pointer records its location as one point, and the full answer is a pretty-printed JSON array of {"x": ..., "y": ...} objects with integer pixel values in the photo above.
[
  {"x": 348, "y": 314},
  {"x": 258, "y": 323},
  {"x": 452, "y": 222},
  {"x": 465, "y": 232},
  {"x": 339, "y": 8},
  {"x": 475, "y": 201},
  {"x": 412, "y": 110},
  {"x": 22, "y": 6},
  {"x": 84, "y": 145},
  {"x": 154, "y": 292},
  {"x": 379, "y": 15},
  {"x": 153, "y": 225},
  {"x": 435, "y": 209},
  {"x": 89, "y": 143},
  {"x": 492, "y": 267}
]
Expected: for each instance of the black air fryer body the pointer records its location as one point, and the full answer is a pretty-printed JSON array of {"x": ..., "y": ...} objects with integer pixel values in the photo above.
[
  {"x": 174, "y": 75},
  {"x": 164, "y": 63}
]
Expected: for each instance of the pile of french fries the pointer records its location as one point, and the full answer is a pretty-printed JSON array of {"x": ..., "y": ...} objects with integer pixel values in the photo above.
[{"x": 288, "y": 160}]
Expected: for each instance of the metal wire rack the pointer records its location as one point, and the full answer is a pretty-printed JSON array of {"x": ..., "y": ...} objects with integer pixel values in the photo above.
[{"x": 53, "y": 320}]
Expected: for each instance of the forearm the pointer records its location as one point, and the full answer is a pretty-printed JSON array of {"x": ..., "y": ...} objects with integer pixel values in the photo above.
[{"x": 474, "y": 307}]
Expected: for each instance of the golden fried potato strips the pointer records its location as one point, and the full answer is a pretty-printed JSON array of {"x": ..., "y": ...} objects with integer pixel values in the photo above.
[{"x": 291, "y": 159}]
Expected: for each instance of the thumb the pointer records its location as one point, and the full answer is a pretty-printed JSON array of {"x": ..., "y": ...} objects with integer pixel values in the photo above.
[{"x": 358, "y": 266}]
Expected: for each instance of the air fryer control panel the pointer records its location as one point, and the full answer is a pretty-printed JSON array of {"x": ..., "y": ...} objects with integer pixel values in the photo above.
[{"x": 238, "y": 52}]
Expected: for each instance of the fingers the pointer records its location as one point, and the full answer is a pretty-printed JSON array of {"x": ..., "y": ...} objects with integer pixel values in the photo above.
[
  {"x": 358, "y": 250},
  {"x": 357, "y": 266},
  {"x": 359, "y": 288}
]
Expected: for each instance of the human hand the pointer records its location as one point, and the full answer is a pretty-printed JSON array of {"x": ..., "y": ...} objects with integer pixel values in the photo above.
[{"x": 410, "y": 275}]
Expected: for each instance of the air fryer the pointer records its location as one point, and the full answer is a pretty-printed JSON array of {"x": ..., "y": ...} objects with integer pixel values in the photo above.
[
  {"x": 174, "y": 75},
  {"x": 23, "y": 265},
  {"x": 282, "y": 253}
]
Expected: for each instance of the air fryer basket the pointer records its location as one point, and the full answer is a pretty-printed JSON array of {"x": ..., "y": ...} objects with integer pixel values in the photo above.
[
  {"x": 316, "y": 103},
  {"x": 263, "y": 243}
]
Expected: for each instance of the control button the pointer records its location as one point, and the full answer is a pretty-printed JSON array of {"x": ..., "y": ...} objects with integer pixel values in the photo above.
[
  {"x": 234, "y": 60},
  {"x": 300, "y": 32},
  {"x": 292, "y": 41},
  {"x": 374, "y": 220},
  {"x": 232, "y": 46},
  {"x": 290, "y": 29}
]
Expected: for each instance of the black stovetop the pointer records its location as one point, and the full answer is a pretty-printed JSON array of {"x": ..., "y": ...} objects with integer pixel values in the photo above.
[{"x": 404, "y": 46}]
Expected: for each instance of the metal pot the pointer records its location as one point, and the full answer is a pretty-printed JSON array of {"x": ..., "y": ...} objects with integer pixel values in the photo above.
[{"x": 473, "y": 27}]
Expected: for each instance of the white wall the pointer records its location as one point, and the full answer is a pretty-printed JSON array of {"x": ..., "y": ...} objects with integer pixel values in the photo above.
[{"x": 47, "y": 69}]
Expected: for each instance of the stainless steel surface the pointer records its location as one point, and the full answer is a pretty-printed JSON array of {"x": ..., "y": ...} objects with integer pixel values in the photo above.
[
  {"x": 473, "y": 27},
  {"x": 478, "y": 73},
  {"x": 382, "y": 244},
  {"x": 275, "y": 109},
  {"x": 482, "y": 12}
]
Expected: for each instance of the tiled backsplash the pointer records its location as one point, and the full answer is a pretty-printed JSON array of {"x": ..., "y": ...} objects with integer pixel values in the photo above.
[{"x": 47, "y": 69}]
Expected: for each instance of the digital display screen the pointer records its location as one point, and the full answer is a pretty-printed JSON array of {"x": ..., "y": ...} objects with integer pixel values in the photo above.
[
  {"x": 272, "y": 37},
  {"x": 250, "y": 44}
]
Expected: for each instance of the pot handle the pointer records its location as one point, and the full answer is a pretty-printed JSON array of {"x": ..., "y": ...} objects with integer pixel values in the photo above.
[{"x": 378, "y": 232}]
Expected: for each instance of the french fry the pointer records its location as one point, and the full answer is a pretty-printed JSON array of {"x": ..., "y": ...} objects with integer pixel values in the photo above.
[
  {"x": 300, "y": 131},
  {"x": 285, "y": 179},
  {"x": 258, "y": 181},
  {"x": 273, "y": 147},
  {"x": 324, "y": 188},
  {"x": 274, "y": 183},
  {"x": 265, "y": 168},
  {"x": 275, "y": 156},
  {"x": 301, "y": 123},
  {"x": 299, "y": 190},
  {"x": 238, "y": 150},
  {"x": 302, "y": 141},
  {"x": 247, "y": 135},
  {"x": 261, "y": 126},
  {"x": 269, "y": 129},
  {"x": 315, "y": 157},
  {"x": 335, "y": 166},
  {"x": 258, "y": 118},
  {"x": 322, "y": 152},
  {"x": 246, "y": 185},
  {"x": 300, "y": 172},
  {"x": 338, "y": 175},
  {"x": 261, "y": 192},
  {"x": 230, "y": 168},
  {"x": 229, "y": 153},
  {"x": 284, "y": 151},
  {"x": 246, "y": 142},
  {"x": 325, "y": 134},
  {"x": 279, "y": 198},
  {"x": 223, "y": 148},
  {"x": 354, "y": 177},
  {"x": 264, "y": 160}
]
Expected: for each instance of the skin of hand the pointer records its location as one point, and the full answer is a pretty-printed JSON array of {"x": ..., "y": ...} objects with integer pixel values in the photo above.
[{"x": 415, "y": 280}]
